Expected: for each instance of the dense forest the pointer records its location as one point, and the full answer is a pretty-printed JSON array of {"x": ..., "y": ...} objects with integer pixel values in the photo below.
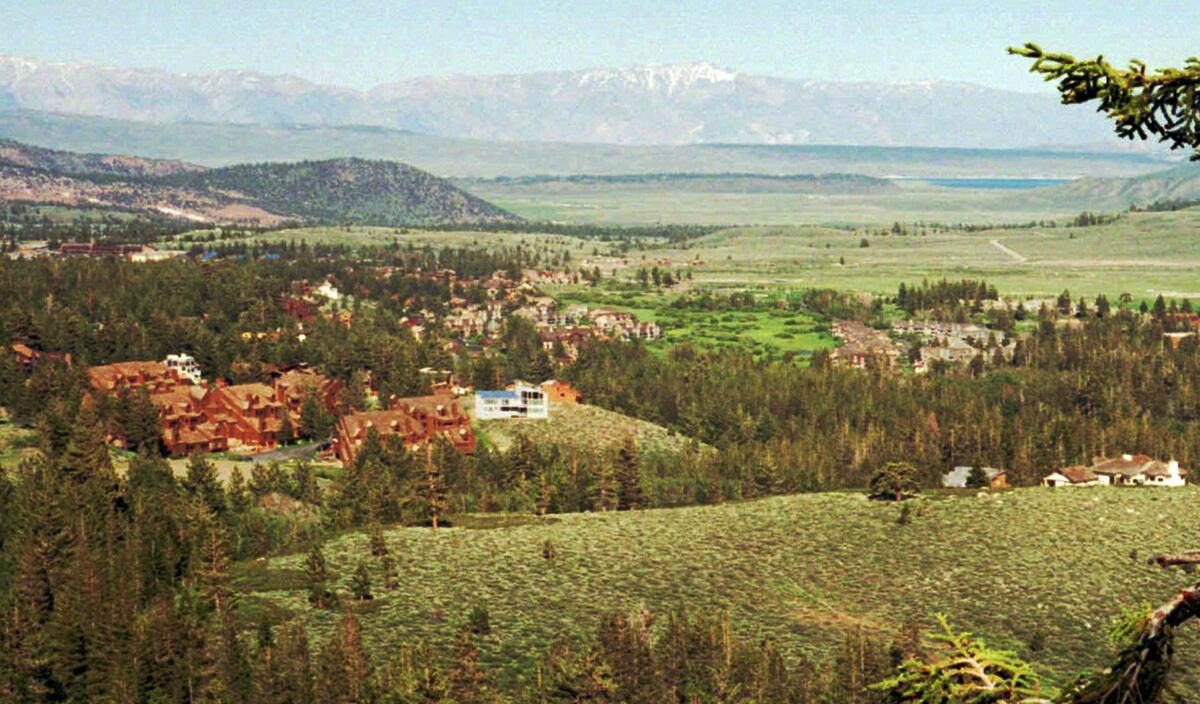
[{"x": 120, "y": 583}]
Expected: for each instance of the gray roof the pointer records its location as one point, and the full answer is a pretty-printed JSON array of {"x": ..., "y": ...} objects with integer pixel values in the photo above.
[{"x": 957, "y": 479}]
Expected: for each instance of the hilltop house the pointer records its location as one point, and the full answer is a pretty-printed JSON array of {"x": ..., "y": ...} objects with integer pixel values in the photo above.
[
  {"x": 561, "y": 392},
  {"x": 1075, "y": 475},
  {"x": 521, "y": 401},
  {"x": 185, "y": 366},
  {"x": 957, "y": 479},
  {"x": 1126, "y": 470}
]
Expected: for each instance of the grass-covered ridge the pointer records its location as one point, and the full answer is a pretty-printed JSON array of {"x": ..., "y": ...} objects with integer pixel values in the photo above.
[{"x": 1017, "y": 568}]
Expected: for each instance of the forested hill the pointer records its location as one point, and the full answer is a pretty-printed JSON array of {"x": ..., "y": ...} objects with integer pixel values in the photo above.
[
  {"x": 348, "y": 190},
  {"x": 333, "y": 191}
]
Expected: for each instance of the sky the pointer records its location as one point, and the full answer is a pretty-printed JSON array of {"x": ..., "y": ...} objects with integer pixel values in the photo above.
[{"x": 362, "y": 43}]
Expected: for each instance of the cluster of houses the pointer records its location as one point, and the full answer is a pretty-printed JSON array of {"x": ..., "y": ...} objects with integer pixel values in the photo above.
[
  {"x": 1126, "y": 470},
  {"x": 949, "y": 343},
  {"x": 254, "y": 418},
  {"x": 567, "y": 327},
  {"x": 863, "y": 346},
  {"x": 130, "y": 252},
  {"x": 198, "y": 418}
]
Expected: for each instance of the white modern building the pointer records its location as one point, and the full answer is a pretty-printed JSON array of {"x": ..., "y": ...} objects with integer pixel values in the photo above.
[
  {"x": 522, "y": 401},
  {"x": 185, "y": 365}
]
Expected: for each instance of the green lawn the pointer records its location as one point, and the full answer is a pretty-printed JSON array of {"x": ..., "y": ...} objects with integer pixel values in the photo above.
[
  {"x": 764, "y": 331},
  {"x": 1059, "y": 565}
]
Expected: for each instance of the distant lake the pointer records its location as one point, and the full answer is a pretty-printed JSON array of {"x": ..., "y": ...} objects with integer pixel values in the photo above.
[{"x": 1005, "y": 183}]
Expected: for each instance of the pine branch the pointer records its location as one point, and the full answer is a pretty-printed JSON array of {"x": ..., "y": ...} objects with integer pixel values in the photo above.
[{"x": 1164, "y": 103}]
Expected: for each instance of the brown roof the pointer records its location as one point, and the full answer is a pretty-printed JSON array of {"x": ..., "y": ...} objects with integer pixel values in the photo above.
[
  {"x": 395, "y": 422},
  {"x": 243, "y": 394},
  {"x": 109, "y": 376},
  {"x": 442, "y": 407},
  {"x": 1078, "y": 474}
]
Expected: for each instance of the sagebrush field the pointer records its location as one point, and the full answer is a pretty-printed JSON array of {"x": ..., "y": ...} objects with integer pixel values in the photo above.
[{"x": 1038, "y": 571}]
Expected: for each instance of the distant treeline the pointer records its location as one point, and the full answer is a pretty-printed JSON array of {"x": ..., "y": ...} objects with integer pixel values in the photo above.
[
  {"x": 1168, "y": 205},
  {"x": 673, "y": 233}
]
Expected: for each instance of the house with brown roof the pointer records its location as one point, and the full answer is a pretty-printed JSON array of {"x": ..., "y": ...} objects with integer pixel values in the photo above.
[
  {"x": 1126, "y": 470},
  {"x": 26, "y": 357},
  {"x": 252, "y": 413},
  {"x": 156, "y": 377},
  {"x": 186, "y": 428},
  {"x": 440, "y": 416},
  {"x": 1075, "y": 475},
  {"x": 294, "y": 384},
  {"x": 1139, "y": 470},
  {"x": 561, "y": 392}
]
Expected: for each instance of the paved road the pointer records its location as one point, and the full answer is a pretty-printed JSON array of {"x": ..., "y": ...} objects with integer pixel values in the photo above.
[
  {"x": 1007, "y": 250},
  {"x": 288, "y": 453}
]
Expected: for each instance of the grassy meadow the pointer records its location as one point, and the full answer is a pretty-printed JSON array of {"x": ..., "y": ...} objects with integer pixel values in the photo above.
[
  {"x": 1144, "y": 254},
  {"x": 1038, "y": 571},
  {"x": 629, "y": 203},
  {"x": 581, "y": 427}
]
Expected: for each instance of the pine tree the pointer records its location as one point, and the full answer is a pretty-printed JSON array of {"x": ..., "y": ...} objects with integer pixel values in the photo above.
[
  {"x": 629, "y": 477},
  {"x": 317, "y": 577},
  {"x": 346, "y": 666},
  {"x": 606, "y": 487},
  {"x": 432, "y": 489},
  {"x": 467, "y": 682},
  {"x": 390, "y": 580},
  {"x": 379, "y": 546},
  {"x": 360, "y": 584},
  {"x": 201, "y": 482}
]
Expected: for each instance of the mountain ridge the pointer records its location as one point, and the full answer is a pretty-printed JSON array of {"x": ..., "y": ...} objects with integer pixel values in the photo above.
[{"x": 682, "y": 103}]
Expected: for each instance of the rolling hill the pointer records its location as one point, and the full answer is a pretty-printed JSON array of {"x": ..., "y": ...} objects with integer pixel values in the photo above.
[
  {"x": 1181, "y": 183},
  {"x": 1037, "y": 571},
  {"x": 687, "y": 103},
  {"x": 331, "y": 191}
]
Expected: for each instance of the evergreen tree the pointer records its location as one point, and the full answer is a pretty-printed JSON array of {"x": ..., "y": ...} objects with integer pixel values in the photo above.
[
  {"x": 201, "y": 482},
  {"x": 629, "y": 477},
  {"x": 317, "y": 577},
  {"x": 360, "y": 584},
  {"x": 346, "y": 666},
  {"x": 432, "y": 489}
]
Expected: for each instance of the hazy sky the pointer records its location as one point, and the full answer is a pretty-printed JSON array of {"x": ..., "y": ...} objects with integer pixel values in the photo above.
[{"x": 361, "y": 43}]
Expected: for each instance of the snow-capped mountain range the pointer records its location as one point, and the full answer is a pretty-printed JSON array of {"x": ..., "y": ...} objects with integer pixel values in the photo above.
[{"x": 662, "y": 104}]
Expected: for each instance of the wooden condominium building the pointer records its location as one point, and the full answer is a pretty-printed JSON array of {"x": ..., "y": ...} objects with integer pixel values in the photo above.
[
  {"x": 245, "y": 417},
  {"x": 411, "y": 421}
]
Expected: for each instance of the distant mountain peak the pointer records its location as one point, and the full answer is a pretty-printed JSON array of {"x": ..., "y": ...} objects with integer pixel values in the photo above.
[{"x": 666, "y": 78}]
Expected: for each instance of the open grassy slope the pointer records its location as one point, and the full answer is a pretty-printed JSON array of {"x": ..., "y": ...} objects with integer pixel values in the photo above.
[
  {"x": 799, "y": 569},
  {"x": 582, "y": 427},
  {"x": 1144, "y": 254}
]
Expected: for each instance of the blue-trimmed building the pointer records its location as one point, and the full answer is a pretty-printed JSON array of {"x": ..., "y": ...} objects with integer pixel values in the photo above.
[{"x": 522, "y": 401}]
